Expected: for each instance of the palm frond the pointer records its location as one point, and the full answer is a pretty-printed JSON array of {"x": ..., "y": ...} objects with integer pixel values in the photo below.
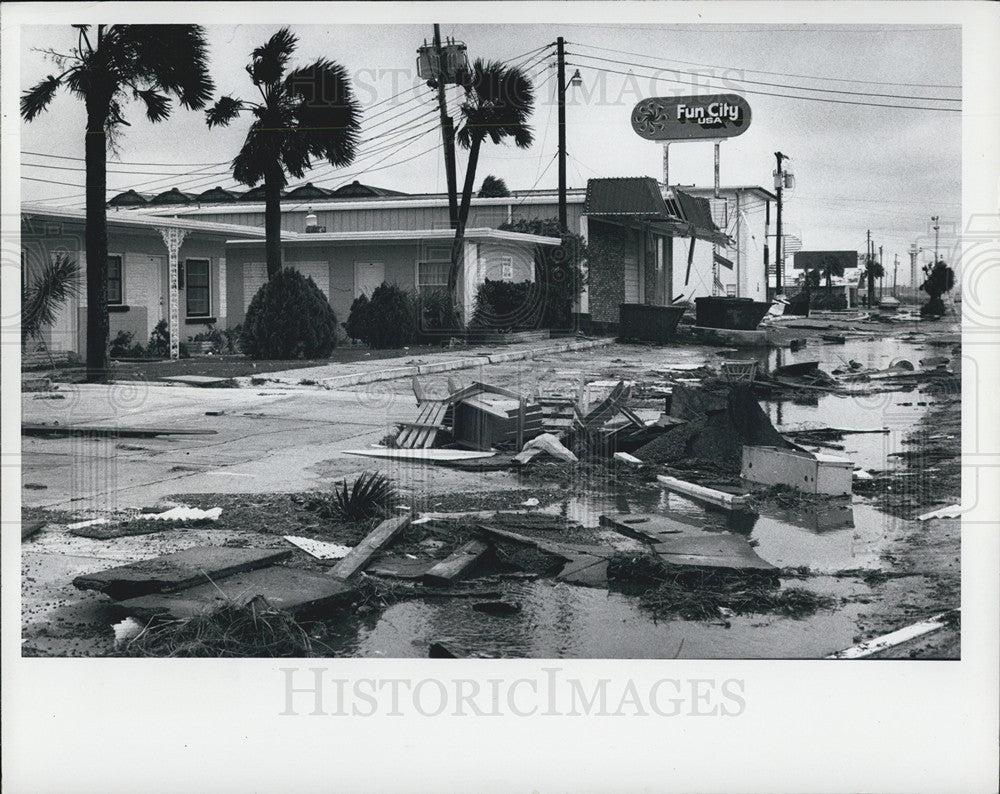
[
  {"x": 499, "y": 103},
  {"x": 37, "y": 98},
  {"x": 270, "y": 59},
  {"x": 224, "y": 110},
  {"x": 168, "y": 58},
  {"x": 157, "y": 105},
  {"x": 327, "y": 117},
  {"x": 55, "y": 283}
]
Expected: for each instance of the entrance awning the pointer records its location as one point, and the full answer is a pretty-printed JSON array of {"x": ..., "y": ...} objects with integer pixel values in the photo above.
[{"x": 640, "y": 199}]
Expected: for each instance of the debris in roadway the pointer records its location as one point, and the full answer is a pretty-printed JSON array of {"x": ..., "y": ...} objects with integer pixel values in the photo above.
[
  {"x": 319, "y": 549},
  {"x": 376, "y": 540},
  {"x": 809, "y": 472},
  {"x": 701, "y": 493},
  {"x": 457, "y": 565}
]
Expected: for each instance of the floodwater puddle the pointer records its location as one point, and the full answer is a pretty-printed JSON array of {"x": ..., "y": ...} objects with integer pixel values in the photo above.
[{"x": 558, "y": 620}]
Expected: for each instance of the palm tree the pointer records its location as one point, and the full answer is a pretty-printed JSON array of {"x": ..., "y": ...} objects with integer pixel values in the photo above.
[
  {"x": 144, "y": 62},
  {"x": 498, "y": 104},
  {"x": 51, "y": 287},
  {"x": 309, "y": 112}
]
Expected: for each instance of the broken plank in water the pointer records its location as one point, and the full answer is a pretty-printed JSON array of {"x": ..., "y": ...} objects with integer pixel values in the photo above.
[
  {"x": 290, "y": 589},
  {"x": 648, "y": 527},
  {"x": 565, "y": 550},
  {"x": 700, "y": 492},
  {"x": 586, "y": 570},
  {"x": 376, "y": 540},
  {"x": 711, "y": 550},
  {"x": 456, "y": 565},
  {"x": 117, "y": 431},
  {"x": 178, "y": 571}
]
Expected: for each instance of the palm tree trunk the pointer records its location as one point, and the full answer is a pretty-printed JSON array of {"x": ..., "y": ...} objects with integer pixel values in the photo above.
[
  {"x": 463, "y": 219},
  {"x": 272, "y": 221},
  {"x": 96, "y": 155}
]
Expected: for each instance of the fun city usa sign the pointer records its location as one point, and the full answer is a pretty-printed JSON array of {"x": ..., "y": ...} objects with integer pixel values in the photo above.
[{"x": 691, "y": 118}]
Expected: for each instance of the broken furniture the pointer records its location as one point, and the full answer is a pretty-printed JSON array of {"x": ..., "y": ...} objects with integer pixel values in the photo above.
[
  {"x": 480, "y": 416},
  {"x": 809, "y": 472}
]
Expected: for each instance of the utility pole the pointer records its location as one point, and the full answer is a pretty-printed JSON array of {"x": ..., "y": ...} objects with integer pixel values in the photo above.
[
  {"x": 447, "y": 133},
  {"x": 561, "y": 88},
  {"x": 779, "y": 183},
  {"x": 937, "y": 227},
  {"x": 881, "y": 268},
  {"x": 868, "y": 270},
  {"x": 715, "y": 246},
  {"x": 895, "y": 273}
]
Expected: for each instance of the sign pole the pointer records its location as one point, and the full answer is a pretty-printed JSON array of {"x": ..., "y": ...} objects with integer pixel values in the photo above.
[
  {"x": 715, "y": 246},
  {"x": 666, "y": 164}
]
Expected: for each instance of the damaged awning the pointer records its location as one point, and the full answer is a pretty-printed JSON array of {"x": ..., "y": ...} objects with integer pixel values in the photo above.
[{"x": 639, "y": 198}]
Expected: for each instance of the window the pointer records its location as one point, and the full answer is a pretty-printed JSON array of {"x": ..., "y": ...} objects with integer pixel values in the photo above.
[
  {"x": 432, "y": 276},
  {"x": 115, "y": 294},
  {"x": 196, "y": 289}
]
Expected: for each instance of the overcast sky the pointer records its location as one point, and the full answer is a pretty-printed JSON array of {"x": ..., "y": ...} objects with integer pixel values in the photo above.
[{"x": 856, "y": 166}]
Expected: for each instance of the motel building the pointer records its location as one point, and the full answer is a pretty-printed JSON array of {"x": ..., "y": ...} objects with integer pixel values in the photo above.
[{"x": 644, "y": 240}]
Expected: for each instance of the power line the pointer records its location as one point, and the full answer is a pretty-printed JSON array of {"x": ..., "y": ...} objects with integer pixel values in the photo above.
[
  {"x": 782, "y": 85},
  {"x": 771, "y": 93},
  {"x": 776, "y": 74}
]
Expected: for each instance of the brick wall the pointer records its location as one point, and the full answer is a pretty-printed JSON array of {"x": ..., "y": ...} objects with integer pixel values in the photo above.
[{"x": 608, "y": 250}]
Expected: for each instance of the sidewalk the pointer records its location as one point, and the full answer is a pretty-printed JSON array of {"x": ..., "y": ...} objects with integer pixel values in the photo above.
[{"x": 337, "y": 376}]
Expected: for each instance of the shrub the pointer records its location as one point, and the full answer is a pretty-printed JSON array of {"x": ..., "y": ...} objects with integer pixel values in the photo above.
[
  {"x": 558, "y": 273},
  {"x": 506, "y": 305},
  {"x": 289, "y": 317},
  {"x": 391, "y": 318},
  {"x": 213, "y": 335},
  {"x": 372, "y": 495},
  {"x": 437, "y": 317},
  {"x": 121, "y": 346},
  {"x": 358, "y": 325},
  {"x": 159, "y": 341},
  {"x": 232, "y": 336}
]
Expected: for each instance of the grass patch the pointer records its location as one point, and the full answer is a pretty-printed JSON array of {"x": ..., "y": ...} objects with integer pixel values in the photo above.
[{"x": 255, "y": 629}]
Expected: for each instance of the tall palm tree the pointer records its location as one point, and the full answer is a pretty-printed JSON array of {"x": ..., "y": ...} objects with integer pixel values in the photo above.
[
  {"x": 309, "y": 112},
  {"x": 147, "y": 63},
  {"x": 498, "y": 104}
]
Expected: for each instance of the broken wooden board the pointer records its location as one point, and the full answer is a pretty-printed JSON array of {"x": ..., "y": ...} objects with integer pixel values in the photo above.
[
  {"x": 456, "y": 565},
  {"x": 400, "y": 567},
  {"x": 700, "y": 492},
  {"x": 710, "y": 550},
  {"x": 565, "y": 550},
  {"x": 117, "y": 431},
  {"x": 203, "y": 381},
  {"x": 586, "y": 570},
  {"x": 178, "y": 571},
  {"x": 420, "y": 455},
  {"x": 647, "y": 527},
  {"x": 376, "y": 540},
  {"x": 290, "y": 589}
]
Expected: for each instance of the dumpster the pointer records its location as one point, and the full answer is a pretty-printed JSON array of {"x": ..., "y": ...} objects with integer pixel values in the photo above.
[
  {"x": 648, "y": 323},
  {"x": 733, "y": 314}
]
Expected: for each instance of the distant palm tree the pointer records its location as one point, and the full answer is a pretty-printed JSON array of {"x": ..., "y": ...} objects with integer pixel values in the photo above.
[
  {"x": 498, "y": 104},
  {"x": 144, "y": 62},
  {"x": 309, "y": 112}
]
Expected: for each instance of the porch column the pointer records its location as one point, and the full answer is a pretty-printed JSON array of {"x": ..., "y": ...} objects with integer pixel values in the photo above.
[{"x": 173, "y": 238}]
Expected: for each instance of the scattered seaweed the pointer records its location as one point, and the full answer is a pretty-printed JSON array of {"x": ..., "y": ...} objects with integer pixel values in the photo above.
[
  {"x": 704, "y": 603},
  {"x": 255, "y": 629}
]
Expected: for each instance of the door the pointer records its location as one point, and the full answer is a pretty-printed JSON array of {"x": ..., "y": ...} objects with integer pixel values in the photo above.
[{"x": 367, "y": 277}]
